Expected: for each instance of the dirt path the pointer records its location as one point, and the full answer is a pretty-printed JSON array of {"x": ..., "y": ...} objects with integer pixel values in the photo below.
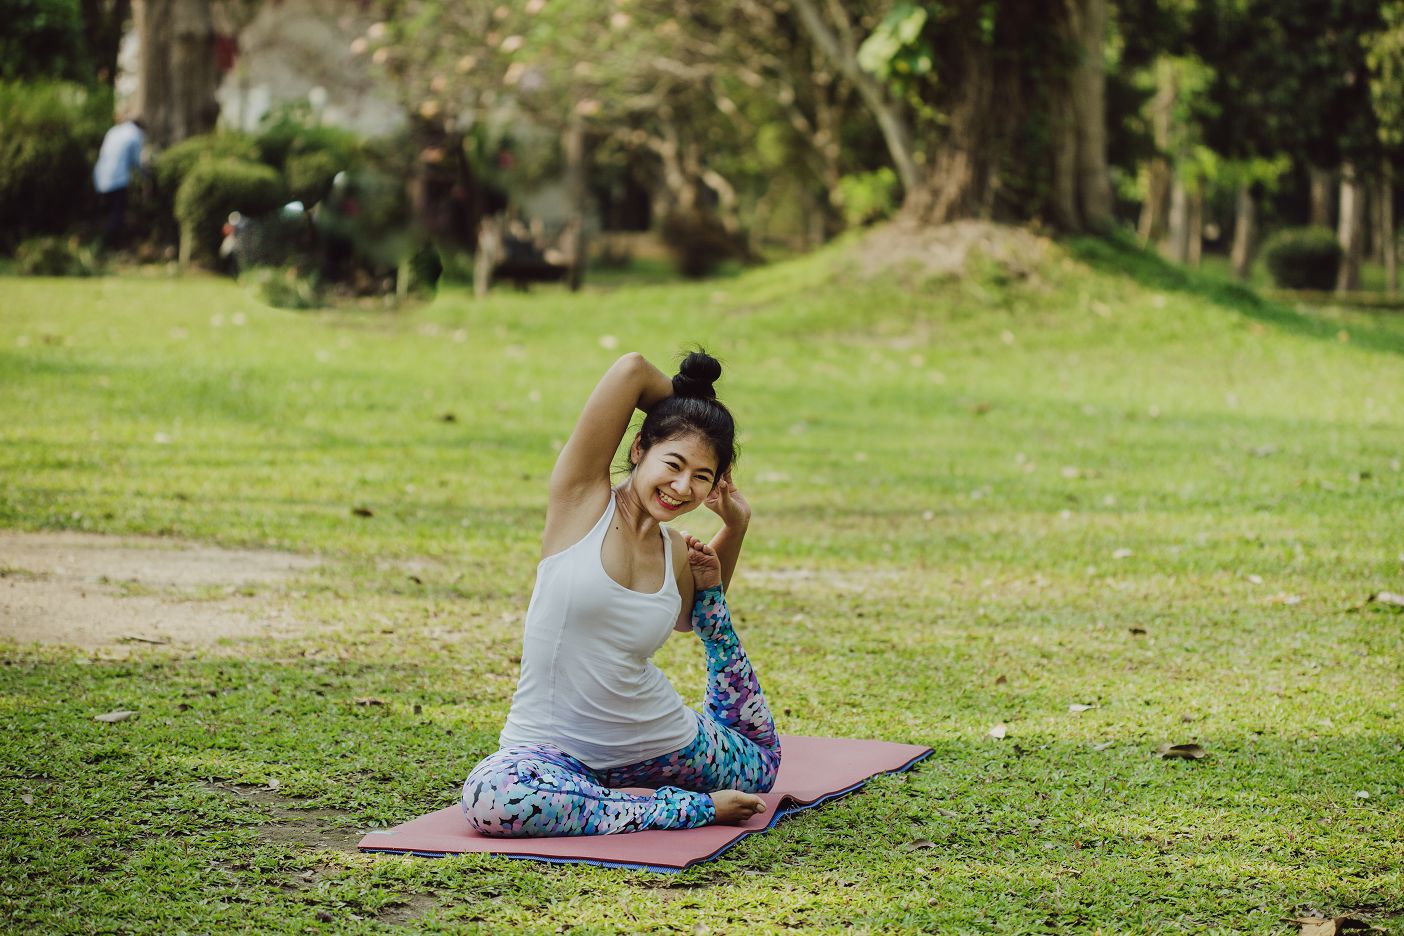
[{"x": 113, "y": 593}]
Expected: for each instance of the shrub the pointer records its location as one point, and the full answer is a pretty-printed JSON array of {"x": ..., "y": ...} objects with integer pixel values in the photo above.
[
  {"x": 309, "y": 175},
  {"x": 1303, "y": 258},
  {"x": 56, "y": 256},
  {"x": 284, "y": 287},
  {"x": 213, "y": 189},
  {"x": 50, "y": 133},
  {"x": 867, "y": 197},
  {"x": 174, "y": 164}
]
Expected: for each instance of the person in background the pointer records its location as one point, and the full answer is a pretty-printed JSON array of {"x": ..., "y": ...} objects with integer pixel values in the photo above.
[{"x": 118, "y": 161}]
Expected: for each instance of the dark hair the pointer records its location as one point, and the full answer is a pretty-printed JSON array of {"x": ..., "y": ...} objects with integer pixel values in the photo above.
[{"x": 694, "y": 408}]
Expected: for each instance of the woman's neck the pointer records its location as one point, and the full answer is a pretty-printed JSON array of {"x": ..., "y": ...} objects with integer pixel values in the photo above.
[{"x": 635, "y": 520}]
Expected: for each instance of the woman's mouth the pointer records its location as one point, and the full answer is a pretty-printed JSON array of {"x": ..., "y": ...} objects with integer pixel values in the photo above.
[{"x": 668, "y": 502}]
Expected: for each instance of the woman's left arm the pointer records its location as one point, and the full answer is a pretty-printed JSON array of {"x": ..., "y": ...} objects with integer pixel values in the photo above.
[{"x": 729, "y": 504}]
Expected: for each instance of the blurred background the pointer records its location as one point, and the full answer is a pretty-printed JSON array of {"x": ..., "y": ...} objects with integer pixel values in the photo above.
[{"x": 335, "y": 149}]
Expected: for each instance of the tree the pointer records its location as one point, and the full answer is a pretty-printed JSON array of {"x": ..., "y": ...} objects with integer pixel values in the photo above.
[
  {"x": 1384, "y": 55},
  {"x": 177, "y": 75},
  {"x": 988, "y": 110}
]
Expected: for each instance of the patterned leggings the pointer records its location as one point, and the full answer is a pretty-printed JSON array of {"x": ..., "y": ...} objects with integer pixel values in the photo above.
[{"x": 539, "y": 790}]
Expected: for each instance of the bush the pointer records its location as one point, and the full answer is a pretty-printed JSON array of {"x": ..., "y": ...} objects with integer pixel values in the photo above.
[
  {"x": 308, "y": 155},
  {"x": 174, "y": 164},
  {"x": 309, "y": 175},
  {"x": 1303, "y": 258},
  {"x": 213, "y": 189},
  {"x": 56, "y": 256},
  {"x": 284, "y": 287},
  {"x": 867, "y": 197},
  {"x": 50, "y": 133}
]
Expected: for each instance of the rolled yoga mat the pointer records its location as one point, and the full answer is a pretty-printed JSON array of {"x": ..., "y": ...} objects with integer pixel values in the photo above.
[{"x": 812, "y": 771}]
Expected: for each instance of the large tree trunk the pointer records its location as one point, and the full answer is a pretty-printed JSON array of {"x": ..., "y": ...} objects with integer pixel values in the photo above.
[
  {"x": 1245, "y": 232},
  {"x": 1177, "y": 239},
  {"x": 577, "y": 189},
  {"x": 1320, "y": 187},
  {"x": 1194, "y": 229},
  {"x": 1351, "y": 229},
  {"x": 1391, "y": 252},
  {"x": 1153, "y": 226},
  {"x": 178, "y": 74},
  {"x": 1088, "y": 20}
]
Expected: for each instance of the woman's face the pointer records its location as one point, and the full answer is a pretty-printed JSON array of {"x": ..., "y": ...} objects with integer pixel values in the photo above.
[{"x": 674, "y": 476}]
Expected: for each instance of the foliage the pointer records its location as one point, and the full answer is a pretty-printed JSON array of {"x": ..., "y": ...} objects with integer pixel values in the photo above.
[
  {"x": 309, "y": 175},
  {"x": 172, "y": 165},
  {"x": 213, "y": 188},
  {"x": 284, "y": 287},
  {"x": 50, "y": 133},
  {"x": 43, "y": 39},
  {"x": 1303, "y": 258},
  {"x": 56, "y": 256},
  {"x": 1384, "y": 54},
  {"x": 979, "y": 502},
  {"x": 869, "y": 196},
  {"x": 293, "y": 143}
]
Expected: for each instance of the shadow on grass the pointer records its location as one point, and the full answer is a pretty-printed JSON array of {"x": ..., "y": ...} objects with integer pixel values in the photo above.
[{"x": 1120, "y": 256}]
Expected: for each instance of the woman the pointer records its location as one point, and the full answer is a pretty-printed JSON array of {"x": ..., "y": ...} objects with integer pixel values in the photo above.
[{"x": 592, "y": 713}]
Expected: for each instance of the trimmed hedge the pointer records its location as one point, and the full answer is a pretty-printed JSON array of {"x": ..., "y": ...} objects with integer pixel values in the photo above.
[
  {"x": 1303, "y": 258},
  {"x": 215, "y": 187},
  {"x": 50, "y": 133}
]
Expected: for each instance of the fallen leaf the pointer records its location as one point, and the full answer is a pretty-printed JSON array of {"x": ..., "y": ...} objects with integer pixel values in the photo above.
[
  {"x": 1123, "y": 553},
  {"x": 274, "y": 784},
  {"x": 448, "y": 417},
  {"x": 370, "y": 701},
  {"x": 998, "y": 731},
  {"x": 1255, "y": 579},
  {"x": 27, "y": 799},
  {"x": 1080, "y": 707},
  {"x": 1001, "y": 680},
  {"x": 918, "y": 843},
  {"x": 1182, "y": 751},
  {"x": 363, "y": 511},
  {"x": 1283, "y": 598},
  {"x": 1103, "y": 746},
  {"x": 1390, "y": 599},
  {"x": 948, "y": 813},
  {"x": 1362, "y": 794},
  {"x": 418, "y": 709},
  {"x": 1264, "y": 451},
  {"x": 119, "y": 715},
  {"x": 1137, "y": 630},
  {"x": 416, "y": 580}
]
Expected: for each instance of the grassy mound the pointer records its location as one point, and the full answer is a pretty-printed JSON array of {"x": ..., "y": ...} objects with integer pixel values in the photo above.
[{"x": 980, "y": 498}]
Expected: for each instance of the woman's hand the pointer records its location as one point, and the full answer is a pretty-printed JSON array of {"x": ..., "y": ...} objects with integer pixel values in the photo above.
[
  {"x": 704, "y": 563},
  {"x": 728, "y": 503}
]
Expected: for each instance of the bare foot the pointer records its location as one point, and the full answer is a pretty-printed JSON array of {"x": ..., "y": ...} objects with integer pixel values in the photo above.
[{"x": 735, "y": 806}]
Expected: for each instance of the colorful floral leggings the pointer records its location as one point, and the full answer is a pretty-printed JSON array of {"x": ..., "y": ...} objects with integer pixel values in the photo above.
[{"x": 538, "y": 790}]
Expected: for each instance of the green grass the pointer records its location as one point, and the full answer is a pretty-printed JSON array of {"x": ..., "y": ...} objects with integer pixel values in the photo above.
[{"x": 1110, "y": 483}]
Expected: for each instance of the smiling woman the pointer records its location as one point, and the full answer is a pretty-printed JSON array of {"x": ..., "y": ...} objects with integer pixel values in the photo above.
[{"x": 592, "y": 713}]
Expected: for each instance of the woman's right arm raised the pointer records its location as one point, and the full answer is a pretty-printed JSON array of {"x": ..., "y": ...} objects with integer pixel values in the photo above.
[{"x": 582, "y": 468}]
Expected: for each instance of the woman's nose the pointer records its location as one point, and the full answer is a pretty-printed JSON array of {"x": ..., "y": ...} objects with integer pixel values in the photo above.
[{"x": 681, "y": 485}]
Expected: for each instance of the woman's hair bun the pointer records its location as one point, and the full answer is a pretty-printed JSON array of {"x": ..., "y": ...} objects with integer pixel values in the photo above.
[{"x": 698, "y": 371}]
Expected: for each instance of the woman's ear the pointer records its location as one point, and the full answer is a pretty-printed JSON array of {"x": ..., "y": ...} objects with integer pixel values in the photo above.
[{"x": 635, "y": 452}]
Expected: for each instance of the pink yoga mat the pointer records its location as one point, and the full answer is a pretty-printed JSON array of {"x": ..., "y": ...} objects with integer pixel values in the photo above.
[{"x": 812, "y": 771}]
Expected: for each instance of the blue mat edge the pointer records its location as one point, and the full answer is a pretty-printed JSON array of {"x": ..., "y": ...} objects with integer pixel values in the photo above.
[{"x": 780, "y": 814}]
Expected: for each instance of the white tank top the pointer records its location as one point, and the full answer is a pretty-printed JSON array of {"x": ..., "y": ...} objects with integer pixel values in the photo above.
[{"x": 588, "y": 684}]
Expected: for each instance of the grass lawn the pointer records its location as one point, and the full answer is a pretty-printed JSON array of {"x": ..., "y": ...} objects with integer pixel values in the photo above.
[{"x": 977, "y": 502}]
